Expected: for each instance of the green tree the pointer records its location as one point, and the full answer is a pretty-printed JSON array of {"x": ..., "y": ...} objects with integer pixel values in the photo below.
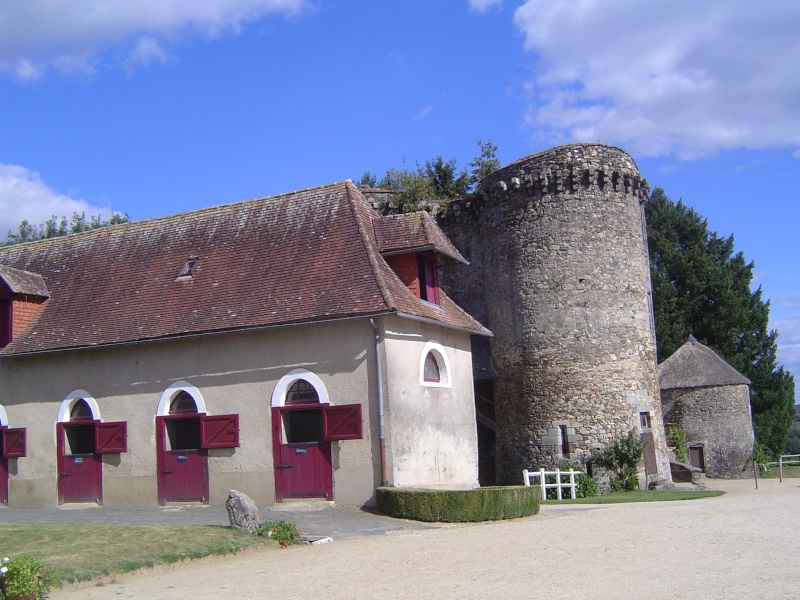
[
  {"x": 58, "y": 226},
  {"x": 701, "y": 287},
  {"x": 437, "y": 181}
]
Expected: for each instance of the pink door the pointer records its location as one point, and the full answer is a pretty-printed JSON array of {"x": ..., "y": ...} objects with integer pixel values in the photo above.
[
  {"x": 182, "y": 461},
  {"x": 302, "y": 456},
  {"x": 80, "y": 472}
]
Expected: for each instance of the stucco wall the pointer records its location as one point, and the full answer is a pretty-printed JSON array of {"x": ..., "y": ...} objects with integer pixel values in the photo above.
[
  {"x": 718, "y": 418},
  {"x": 235, "y": 373},
  {"x": 431, "y": 429}
]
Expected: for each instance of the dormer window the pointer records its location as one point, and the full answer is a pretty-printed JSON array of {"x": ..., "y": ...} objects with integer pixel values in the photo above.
[
  {"x": 21, "y": 295},
  {"x": 188, "y": 269}
]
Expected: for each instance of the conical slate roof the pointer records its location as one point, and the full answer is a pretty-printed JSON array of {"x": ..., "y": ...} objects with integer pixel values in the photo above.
[{"x": 695, "y": 365}]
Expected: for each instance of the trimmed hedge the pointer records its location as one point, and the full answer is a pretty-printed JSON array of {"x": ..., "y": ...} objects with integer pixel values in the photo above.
[{"x": 459, "y": 506}]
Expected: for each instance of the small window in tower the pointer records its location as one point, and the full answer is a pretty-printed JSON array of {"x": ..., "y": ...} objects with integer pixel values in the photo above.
[
  {"x": 431, "y": 369},
  {"x": 81, "y": 411},
  {"x": 644, "y": 420},
  {"x": 188, "y": 269},
  {"x": 302, "y": 392}
]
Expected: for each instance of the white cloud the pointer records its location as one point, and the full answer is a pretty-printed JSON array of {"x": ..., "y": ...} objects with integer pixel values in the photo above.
[
  {"x": 664, "y": 77},
  {"x": 146, "y": 52},
  {"x": 423, "y": 113},
  {"x": 481, "y": 6},
  {"x": 36, "y": 35},
  {"x": 23, "y": 195}
]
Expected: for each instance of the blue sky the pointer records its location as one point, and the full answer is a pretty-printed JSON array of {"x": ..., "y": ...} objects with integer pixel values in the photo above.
[{"x": 153, "y": 108}]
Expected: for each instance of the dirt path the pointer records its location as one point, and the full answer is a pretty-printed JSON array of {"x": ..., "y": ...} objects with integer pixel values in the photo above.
[{"x": 745, "y": 544}]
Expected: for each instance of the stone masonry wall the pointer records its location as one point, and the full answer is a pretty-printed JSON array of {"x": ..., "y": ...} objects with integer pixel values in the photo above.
[
  {"x": 559, "y": 272},
  {"x": 718, "y": 418}
]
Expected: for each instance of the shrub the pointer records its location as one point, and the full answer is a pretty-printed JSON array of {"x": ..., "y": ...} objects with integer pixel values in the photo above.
[
  {"x": 621, "y": 459},
  {"x": 283, "y": 532},
  {"x": 677, "y": 439},
  {"x": 25, "y": 577},
  {"x": 459, "y": 506}
]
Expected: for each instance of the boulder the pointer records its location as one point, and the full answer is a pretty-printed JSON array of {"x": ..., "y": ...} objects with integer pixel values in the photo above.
[{"x": 242, "y": 511}]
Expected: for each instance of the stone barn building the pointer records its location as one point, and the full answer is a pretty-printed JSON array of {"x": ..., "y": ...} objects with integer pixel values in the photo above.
[
  {"x": 710, "y": 401},
  {"x": 287, "y": 347}
]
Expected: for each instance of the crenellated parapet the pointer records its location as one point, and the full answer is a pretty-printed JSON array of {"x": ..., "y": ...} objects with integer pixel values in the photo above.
[{"x": 570, "y": 169}]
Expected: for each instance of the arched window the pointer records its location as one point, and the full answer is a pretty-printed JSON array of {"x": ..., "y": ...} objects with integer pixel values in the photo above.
[
  {"x": 431, "y": 369},
  {"x": 182, "y": 403},
  {"x": 301, "y": 392},
  {"x": 81, "y": 411},
  {"x": 434, "y": 366}
]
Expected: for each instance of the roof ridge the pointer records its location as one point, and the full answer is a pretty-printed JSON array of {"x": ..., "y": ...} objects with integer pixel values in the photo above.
[
  {"x": 369, "y": 247},
  {"x": 172, "y": 216}
]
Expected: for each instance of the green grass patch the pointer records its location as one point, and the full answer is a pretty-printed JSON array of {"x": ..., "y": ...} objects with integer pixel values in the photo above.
[
  {"x": 459, "y": 506},
  {"x": 642, "y": 496},
  {"x": 81, "y": 552},
  {"x": 773, "y": 473}
]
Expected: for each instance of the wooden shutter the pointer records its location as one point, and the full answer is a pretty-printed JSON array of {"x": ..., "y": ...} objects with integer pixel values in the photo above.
[
  {"x": 342, "y": 422},
  {"x": 219, "y": 431},
  {"x": 14, "y": 443},
  {"x": 111, "y": 437}
]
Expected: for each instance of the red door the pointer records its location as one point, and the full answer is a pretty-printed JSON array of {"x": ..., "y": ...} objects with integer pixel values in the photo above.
[
  {"x": 301, "y": 445},
  {"x": 3, "y": 480},
  {"x": 182, "y": 462},
  {"x": 80, "y": 472}
]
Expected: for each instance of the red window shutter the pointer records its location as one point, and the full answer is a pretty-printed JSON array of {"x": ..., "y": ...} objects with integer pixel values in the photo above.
[
  {"x": 342, "y": 422},
  {"x": 219, "y": 431},
  {"x": 431, "y": 278},
  {"x": 111, "y": 437},
  {"x": 14, "y": 442}
]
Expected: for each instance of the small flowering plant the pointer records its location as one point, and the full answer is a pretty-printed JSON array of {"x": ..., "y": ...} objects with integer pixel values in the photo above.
[
  {"x": 283, "y": 532},
  {"x": 22, "y": 576}
]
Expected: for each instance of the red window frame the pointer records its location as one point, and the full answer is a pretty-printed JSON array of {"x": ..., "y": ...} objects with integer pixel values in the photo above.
[
  {"x": 342, "y": 422},
  {"x": 111, "y": 437},
  {"x": 13, "y": 442},
  {"x": 428, "y": 277},
  {"x": 219, "y": 431},
  {"x": 431, "y": 372}
]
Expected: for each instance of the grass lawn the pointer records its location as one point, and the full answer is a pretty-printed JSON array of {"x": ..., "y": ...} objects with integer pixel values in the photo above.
[
  {"x": 80, "y": 552},
  {"x": 642, "y": 496},
  {"x": 773, "y": 473}
]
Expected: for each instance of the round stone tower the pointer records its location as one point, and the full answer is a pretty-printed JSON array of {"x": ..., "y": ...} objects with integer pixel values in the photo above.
[{"x": 559, "y": 241}]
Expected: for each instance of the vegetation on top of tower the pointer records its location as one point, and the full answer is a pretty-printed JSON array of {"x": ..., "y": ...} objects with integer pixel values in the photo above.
[{"x": 426, "y": 186}]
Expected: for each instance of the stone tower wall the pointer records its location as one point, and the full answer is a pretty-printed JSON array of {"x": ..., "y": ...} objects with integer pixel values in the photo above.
[
  {"x": 718, "y": 418},
  {"x": 559, "y": 272}
]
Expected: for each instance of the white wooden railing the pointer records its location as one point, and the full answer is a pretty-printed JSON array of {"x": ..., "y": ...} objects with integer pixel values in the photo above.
[{"x": 527, "y": 476}]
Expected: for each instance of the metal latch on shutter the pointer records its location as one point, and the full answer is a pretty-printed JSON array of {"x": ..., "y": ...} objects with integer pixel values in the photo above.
[
  {"x": 285, "y": 466},
  {"x": 165, "y": 471}
]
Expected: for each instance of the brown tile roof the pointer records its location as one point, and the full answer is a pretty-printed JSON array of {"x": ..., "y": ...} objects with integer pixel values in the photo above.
[
  {"x": 300, "y": 257},
  {"x": 695, "y": 365},
  {"x": 413, "y": 232},
  {"x": 23, "y": 282}
]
